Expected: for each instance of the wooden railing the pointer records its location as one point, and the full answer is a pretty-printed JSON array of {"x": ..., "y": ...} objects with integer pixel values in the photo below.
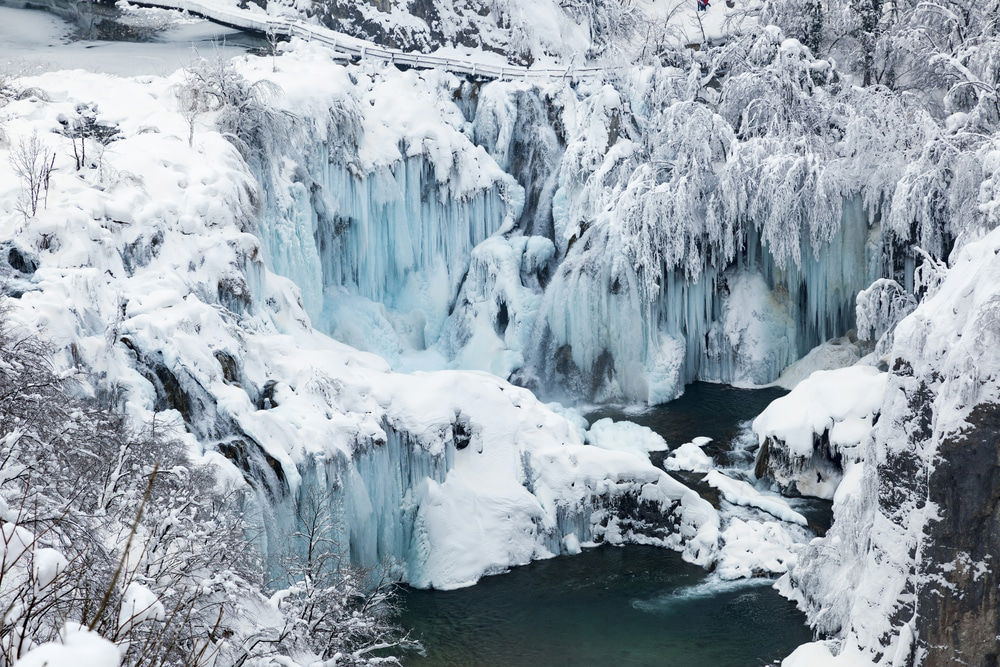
[{"x": 259, "y": 22}]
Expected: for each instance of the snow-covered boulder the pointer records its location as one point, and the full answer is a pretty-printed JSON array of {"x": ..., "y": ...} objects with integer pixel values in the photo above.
[
  {"x": 807, "y": 436},
  {"x": 625, "y": 436},
  {"x": 689, "y": 457}
]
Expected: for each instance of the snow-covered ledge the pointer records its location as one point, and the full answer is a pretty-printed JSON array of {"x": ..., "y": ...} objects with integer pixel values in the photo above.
[{"x": 808, "y": 436}]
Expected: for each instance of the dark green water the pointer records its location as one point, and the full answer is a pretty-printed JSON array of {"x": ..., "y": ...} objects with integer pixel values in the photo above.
[
  {"x": 630, "y": 607},
  {"x": 712, "y": 410}
]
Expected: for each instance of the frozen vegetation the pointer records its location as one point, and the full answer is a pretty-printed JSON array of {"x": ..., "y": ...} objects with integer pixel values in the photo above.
[{"x": 308, "y": 306}]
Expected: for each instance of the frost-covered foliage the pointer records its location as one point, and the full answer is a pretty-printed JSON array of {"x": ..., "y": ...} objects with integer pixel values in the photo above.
[
  {"x": 879, "y": 308},
  {"x": 120, "y": 531},
  {"x": 943, "y": 56},
  {"x": 241, "y": 109}
]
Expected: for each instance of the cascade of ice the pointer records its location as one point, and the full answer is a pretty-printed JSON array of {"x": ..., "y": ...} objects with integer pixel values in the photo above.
[
  {"x": 512, "y": 122},
  {"x": 403, "y": 257},
  {"x": 398, "y": 238},
  {"x": 364, "y": 505},
  {"x": 387, "y": 507},
  {"x": 744, "y": 323},
  {"x": 378, "y": 253}
]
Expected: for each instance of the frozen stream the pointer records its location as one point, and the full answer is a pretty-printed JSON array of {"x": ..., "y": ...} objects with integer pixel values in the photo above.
[{"x": 633, "y": 606}]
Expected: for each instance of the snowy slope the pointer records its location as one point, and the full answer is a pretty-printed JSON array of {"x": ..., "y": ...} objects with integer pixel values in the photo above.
[{"x": 521, "y": 31}]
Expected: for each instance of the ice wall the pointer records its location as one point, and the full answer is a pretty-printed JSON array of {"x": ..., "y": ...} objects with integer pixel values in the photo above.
[
  {"x": 394, "y": 237},
  {"x": 534, "y": 232},
  {"x": 373, "y": 208},
  {"x": 600, "y": 335}
]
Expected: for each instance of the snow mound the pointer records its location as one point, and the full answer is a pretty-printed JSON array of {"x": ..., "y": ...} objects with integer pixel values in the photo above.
[
  {"x": 689, "y": 456},
  {"x": 752, "y": 548},
  {"x": 833, "y": 354},
  {"x": 804, "y": 435},
  {"x": 821, "y": 654},
  {"x": 79, "y": 647},
  {"x": 625, "y": 436}
]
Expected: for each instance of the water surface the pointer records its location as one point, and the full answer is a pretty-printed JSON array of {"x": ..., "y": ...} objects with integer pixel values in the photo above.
[
  {"x": 46, "y": 35},
  {"x": 715, "y": 411},
  {"x": 632, "y": 606}
]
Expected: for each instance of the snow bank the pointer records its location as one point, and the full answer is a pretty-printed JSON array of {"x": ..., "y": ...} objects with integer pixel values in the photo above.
[
  {"x": 821, "y": 654},
  {"x": 624, "y": 436},
  {"x": 833, "y": 354},
  {"x": 739, "y": 492}
]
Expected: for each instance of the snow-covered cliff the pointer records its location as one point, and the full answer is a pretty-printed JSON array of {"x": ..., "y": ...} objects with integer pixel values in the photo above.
[
  {"x": 146, "y": 266},
  {"x": 905, "y": 576}
]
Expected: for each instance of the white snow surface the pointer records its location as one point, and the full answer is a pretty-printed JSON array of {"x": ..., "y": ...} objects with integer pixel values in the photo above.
[
  {"x": 819, "y": 427},
  {"x": 153, "y": 251},
  {"x": 841, "y": 401},
  {"x": 752, "y": 548},
  {"x": 32, "y": 40},
  {"x": 833, "y": 354},
  {"x": 625, "y": 436},
  {"x": 688, "y": 456},
  {"x": 79, "y": 647},
  {"x": 139, "y": 604},
  {"x": 822, "y": 654},
  {"x": 739, "y": 492}
]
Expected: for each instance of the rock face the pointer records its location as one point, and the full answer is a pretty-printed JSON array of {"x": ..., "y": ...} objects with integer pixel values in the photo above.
[
  {"x": 521, "y": 30},
  {"x": 959, "y": 603}
]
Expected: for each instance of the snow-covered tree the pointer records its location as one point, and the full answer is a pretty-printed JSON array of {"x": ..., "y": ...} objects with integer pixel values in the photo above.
[{"x": 116, "y": 529}]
